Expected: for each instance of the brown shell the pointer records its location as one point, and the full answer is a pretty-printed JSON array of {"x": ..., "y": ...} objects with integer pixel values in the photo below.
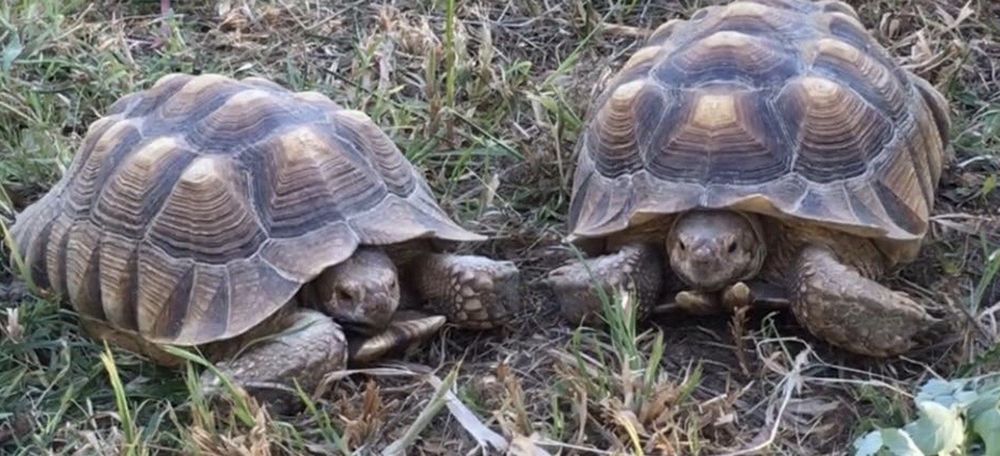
[
  {"x": 197, "y": 208},
  {"x": 783, "y": 108}
]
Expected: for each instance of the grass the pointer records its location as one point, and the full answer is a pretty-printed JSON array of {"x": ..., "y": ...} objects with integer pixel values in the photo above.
[{"x": 488, "y": 98}]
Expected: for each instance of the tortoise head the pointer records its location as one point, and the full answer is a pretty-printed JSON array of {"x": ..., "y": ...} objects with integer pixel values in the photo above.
[
  {"x": 709, "y": 250},
  {"x": 361, "y": 292}
]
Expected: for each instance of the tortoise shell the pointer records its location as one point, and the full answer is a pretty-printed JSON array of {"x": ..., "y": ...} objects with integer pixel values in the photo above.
[
  {"x": 197, "y": 208},
  {"x": 783, "y": 108}
]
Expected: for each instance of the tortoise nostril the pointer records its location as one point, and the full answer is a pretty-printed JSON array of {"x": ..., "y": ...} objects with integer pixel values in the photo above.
[{"x": 343, "y": 295}]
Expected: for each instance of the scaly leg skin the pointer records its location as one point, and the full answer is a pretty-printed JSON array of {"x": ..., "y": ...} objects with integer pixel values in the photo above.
[
  {"x": 406, "y": 330},
  {"x": 473, "y": 292},
  {"x": 836, "y": 303},
  {"x": 635, "y": 267},
  {"x": 306, "y": 346}
]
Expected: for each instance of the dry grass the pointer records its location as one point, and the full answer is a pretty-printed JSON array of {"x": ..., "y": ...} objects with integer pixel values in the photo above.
[{"x": 488, "y": 101}]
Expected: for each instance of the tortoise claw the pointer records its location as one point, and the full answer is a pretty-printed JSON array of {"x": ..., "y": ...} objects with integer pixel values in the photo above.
[{"x": 406, "y": 329}]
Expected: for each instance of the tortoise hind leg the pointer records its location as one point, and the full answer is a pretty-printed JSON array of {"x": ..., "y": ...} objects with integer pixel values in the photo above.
[
  {"x": 836, "y": 303},
  {"x": 638, "y": 267},
  {"x": 300, "y": 346}
]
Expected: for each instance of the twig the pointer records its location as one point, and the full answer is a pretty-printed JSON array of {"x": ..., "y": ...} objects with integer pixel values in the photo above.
[
  {"x": 398, "y": 447},
  {"x": 468, "y": 419},
  {"x": 792, "y": 381}
]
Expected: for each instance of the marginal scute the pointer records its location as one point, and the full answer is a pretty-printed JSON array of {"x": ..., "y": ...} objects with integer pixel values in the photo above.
[
  {"x": 928, "y": 145},
  {"x": 836, "y": 6},
  {"x": 827, "y": 202},
  {"x": 164, "y": 289},
  {"x": 119, "y": 279},
  {"x": 937, "y": 105},
  {"x": 308, "y": 254},
  {"x": 256, "y": 290},
  {"x": 749, "y": 9},
  {"x": 665, "y": 30},
  {"x": 899, "y": 176},
  {"x": 55, "y": 253},
  {"x": 82, "y": 268},
  {"x": 209, "y": 304},
  {"x": 396, "y": 220}
]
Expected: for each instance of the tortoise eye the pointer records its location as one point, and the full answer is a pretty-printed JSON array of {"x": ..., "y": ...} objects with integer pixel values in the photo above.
[
  {"x": 732, "y": 247},
  {"x": 681, "y": 244}
]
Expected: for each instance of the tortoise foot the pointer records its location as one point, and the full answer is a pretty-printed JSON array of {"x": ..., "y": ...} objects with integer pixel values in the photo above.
[
  {"x": 407, "y": 329},
  {"x": 307, "y": 346},
  {"x": 581, "y": 286},
  {"x": 473, "y": 292},
  {"x": 839, "y": 305},
  {"x": 708, "y": 303},
  {"x": 698, "y": 303}
]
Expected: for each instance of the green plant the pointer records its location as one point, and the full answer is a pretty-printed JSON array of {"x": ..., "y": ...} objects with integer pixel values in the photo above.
[{"x": 955, "y": 417}]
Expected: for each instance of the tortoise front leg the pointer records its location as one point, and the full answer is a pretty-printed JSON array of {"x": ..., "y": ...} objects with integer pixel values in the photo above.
[
  {"x": 708, "y": 302},
  {"x": 636, "y": 267},
  {"x": 407, "y": 328},
  {"x": 301, "y": 345},
  {"x": 471, "y": 291},
  {"x": 836, "y": 303}
]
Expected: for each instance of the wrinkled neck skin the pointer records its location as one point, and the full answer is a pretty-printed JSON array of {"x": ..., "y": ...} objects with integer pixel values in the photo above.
[{"x": 712, "y": 249}]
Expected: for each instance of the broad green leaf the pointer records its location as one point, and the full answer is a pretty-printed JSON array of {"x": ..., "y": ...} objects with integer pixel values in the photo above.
[
  {"x": 900, "y": 443},
  {"x": 868, "y": 444},
  {"x": 945, "y": 392},
  {"x": 11, "y": 52},
  {"x": 986, "y": 400},
  {"x": 939, "y": 429},
  {"x": 987, "y": 425}
]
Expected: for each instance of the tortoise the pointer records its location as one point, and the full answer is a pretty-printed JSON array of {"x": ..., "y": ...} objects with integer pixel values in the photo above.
[
  {"x": 211, "y": 212},
  {"x": 762, "y": 151}
]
